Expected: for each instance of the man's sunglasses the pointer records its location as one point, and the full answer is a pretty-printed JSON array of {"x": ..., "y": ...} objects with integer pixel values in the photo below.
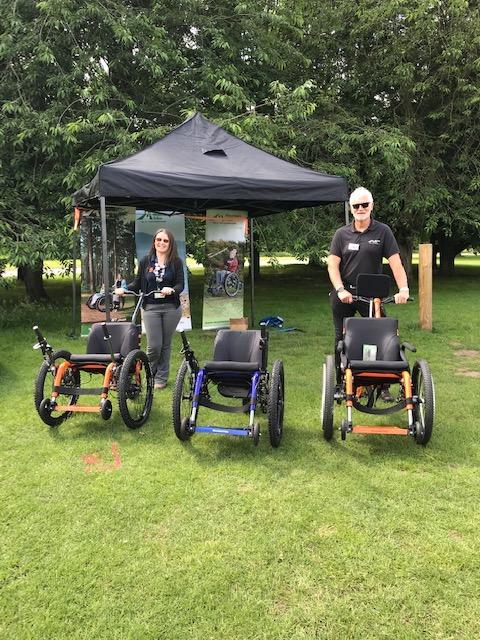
[{"x": 364, "y": 205}]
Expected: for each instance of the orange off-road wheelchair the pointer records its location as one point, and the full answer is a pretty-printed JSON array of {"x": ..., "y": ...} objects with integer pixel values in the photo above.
[
  {"x": 371, "y": 359},
  {"x": 113, "y": 351}
]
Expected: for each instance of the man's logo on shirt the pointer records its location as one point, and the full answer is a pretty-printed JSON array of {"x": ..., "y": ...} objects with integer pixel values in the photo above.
[{"x": 374, "y": 242}]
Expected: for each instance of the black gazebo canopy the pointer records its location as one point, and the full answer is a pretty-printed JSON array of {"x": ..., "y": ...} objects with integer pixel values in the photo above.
[{"x": 199, "y": 166}]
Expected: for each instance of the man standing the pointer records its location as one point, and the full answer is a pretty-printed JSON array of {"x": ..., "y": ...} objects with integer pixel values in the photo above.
[{"x": 359, "y": 248}]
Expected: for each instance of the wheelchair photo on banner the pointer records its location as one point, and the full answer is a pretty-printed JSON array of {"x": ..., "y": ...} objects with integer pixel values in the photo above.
[
  {"x": 238, "y": 370},
  {"x": 373, "y": 360}
]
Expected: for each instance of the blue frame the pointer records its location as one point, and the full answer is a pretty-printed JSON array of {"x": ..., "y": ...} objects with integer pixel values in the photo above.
[{"x": 200, "y": 377}]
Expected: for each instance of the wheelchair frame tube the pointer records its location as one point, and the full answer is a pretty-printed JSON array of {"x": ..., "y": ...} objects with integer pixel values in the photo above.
[
  {"x": 253, "y": 397},
  {"x": 223, "y": 431},
  {"x": 196, "y": 395}
]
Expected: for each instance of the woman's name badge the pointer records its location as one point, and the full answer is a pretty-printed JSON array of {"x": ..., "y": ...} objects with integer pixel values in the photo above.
[
  {"x": 157, "y": 295},
  {"x": 353, "y": 246}
]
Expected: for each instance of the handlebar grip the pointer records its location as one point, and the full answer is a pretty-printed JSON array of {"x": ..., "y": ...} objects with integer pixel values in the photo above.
[
  {"x": 38, "y": 333},
  {"x": 105, "y": 331}
]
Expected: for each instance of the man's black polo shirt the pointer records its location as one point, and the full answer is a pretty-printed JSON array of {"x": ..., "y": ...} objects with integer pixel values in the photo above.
[{"x": 362, "y": 252}]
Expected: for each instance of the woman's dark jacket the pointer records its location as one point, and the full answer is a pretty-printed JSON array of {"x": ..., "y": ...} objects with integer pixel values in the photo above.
[{"x": 140, "y": 282}]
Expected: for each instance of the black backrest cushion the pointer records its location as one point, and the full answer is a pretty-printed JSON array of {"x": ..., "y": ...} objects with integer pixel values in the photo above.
[
  {"x": 382, "y": 332},
  {"x": 238, "y": 346},
  {"x": 124, "y": 338}
]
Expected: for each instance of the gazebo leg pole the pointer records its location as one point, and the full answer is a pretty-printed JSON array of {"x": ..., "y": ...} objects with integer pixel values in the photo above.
[
  {"x": 106, "y": 283},
  {"x": 346, "y": 209},
  {"x": 252, "y": 275},
  {"x": 74, "y": 284}
]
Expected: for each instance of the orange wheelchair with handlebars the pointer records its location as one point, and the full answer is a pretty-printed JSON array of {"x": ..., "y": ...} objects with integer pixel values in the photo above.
[
  {"x": 113, "y": 351},
  {"x": 371, "y": 358}
]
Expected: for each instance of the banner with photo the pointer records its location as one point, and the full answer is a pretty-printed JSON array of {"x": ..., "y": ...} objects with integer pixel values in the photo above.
[
  {"x": 146, "y": 224},
  {"x": 224, "y": 257},
  {"x": 121, "y": 260}
]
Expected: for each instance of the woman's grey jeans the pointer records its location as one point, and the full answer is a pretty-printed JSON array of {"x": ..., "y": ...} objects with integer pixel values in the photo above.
[{"x": 160, "y": 323}]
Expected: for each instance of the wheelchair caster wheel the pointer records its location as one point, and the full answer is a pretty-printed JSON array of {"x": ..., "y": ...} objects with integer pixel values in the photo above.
[
  {"x": 344, "y": 429},
  {"x": 418, "y": 431},
  {"x": 185, "y": 429},
  {"x": 256, "y": 433},
  {"x": 45, "y": 409},
  {"x": 106, "y": 409}
]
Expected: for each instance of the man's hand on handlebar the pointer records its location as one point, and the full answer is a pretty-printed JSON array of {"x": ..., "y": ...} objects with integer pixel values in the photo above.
[
  {"x": 345, "y": 296},
  {"x": 401, "y": 297}
]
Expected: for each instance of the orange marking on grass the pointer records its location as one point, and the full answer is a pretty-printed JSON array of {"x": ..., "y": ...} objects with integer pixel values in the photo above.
[{"x": 94, "y": 462}]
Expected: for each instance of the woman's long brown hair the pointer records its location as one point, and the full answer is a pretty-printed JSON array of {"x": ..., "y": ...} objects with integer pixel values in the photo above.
[{"x": 172, "y": 252}]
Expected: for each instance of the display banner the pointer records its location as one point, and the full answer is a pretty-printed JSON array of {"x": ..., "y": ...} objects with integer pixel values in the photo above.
[
  {"x": 121, "y": 261},
  {"x": 146, "y": 224},
  {"x": 224, "y": 255}
]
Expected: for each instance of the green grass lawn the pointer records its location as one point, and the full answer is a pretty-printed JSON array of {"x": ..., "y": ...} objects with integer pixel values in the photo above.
[{"x": 376, "y": 537}]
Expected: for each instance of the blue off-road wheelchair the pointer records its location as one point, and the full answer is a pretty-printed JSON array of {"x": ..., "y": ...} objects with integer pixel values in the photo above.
[
  {"x": 238, "y": 370},
  {"x": 373, "y": 360}
]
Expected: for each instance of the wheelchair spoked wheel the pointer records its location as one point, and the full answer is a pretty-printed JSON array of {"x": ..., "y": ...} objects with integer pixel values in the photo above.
[
  {"x": 276, "y": 403},
  {"x": 424, "y": 413},
  {"x": 231, "y": 284},
  {"x": 135, "y": 389},
  {"x": 44, "y": 387},
  {"x": 182, "y": 402},
  {"x": 328, "y": 392},
  {"x": 89, "y": 301}
]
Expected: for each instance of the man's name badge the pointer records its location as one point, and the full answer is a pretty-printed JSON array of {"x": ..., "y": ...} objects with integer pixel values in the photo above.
[
  {"x": 353, "y": 246},
  {"x": 157, "y": 295}
]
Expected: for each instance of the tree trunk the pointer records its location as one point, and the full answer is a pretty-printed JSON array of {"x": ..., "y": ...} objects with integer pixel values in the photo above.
[
  {"x": 447, "y": 263},
  {"x": 406, "y": 249},
  {"x": 448, "y": 251},
  {"x": 33, "y": 280},
  {"x": 314, "y": 262}
]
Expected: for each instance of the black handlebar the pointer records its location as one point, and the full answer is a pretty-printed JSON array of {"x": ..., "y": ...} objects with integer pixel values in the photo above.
[
  {"x": 188, "y": 353},
  {"x": 42, "y": 343},
  {"x": 389, "y": 300}
]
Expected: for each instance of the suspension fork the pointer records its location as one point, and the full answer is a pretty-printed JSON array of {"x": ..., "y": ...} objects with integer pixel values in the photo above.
[
  {"x": 253, "y": 397},
  {"x": 199, "y": 377},
  {"x": 349, "y": 394},
  {"x": 407, "y": 385}
]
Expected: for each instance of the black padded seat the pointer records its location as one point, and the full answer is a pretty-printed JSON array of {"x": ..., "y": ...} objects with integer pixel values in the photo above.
[
  {"x": 236, "y": 356},
  {"x": 124, "y": 338},
  {"x": 223, "y": 365},
  {"x": 376, "y": 366},
  {"x": 240, "y": 347},
  {"x": 379, "y": 332},
  {"x": 94, "y": 358}
]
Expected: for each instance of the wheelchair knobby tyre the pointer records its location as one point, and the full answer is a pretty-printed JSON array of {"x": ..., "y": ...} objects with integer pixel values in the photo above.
[
  {"x": 423, "y": 388},
  {"x": 328, "y": 391},
  {"x": 135, "y": 389},
  {"x": 182, "y": 402},
  {"x": 276, "y": 403},
  {"x": 44, "y": 387}
]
